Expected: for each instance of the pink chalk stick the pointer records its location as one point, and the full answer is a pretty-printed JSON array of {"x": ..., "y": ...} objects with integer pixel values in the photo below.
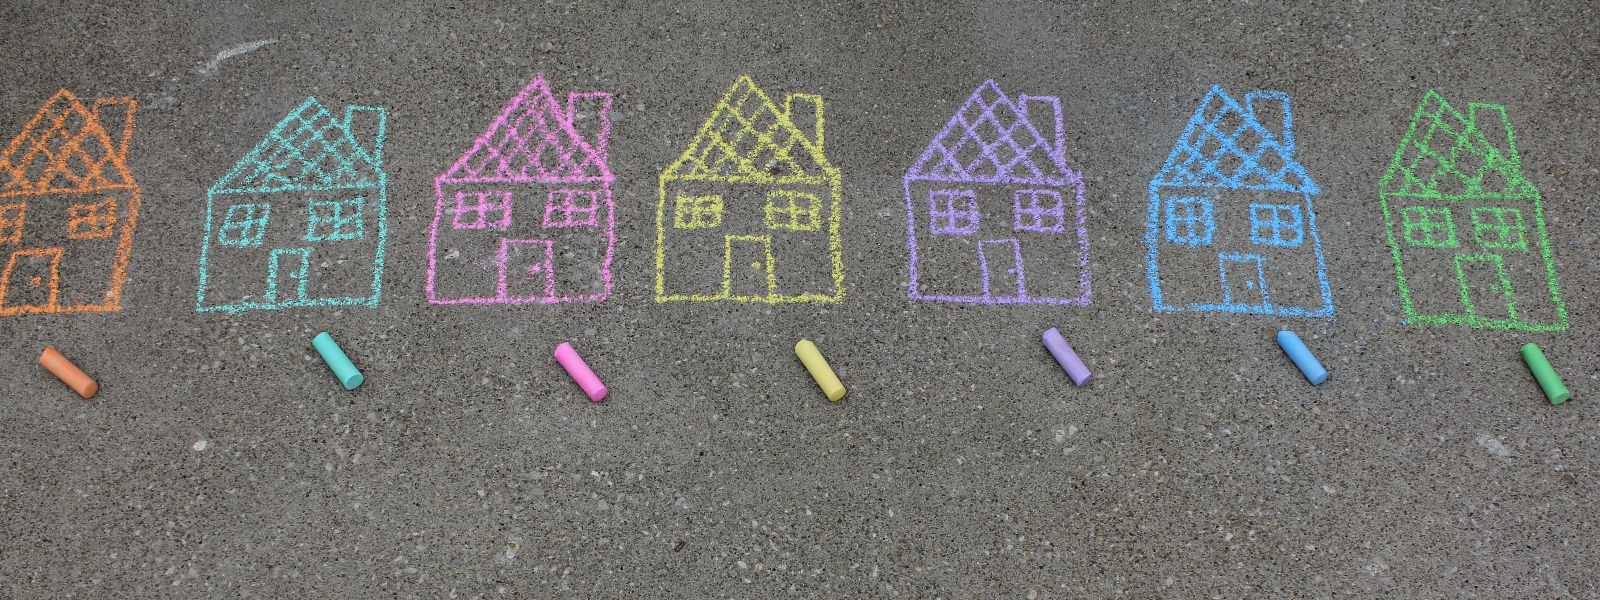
[{"x": 580, "y": 372}]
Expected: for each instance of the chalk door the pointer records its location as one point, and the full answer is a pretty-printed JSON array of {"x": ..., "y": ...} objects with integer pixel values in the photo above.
[
  {"x": 1485, "y": 288},
  {"x": 748, "y": 272},
  {"x": 31, "y": 281},
  {"x": 1244, "y": 286},
  {"x": 287, "y": 270},
  {"x": 1001, "y": 261},
  {"x": 526, "y": 270}
]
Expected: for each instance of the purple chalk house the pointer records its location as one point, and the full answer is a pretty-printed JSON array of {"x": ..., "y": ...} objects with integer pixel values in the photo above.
[{"x": 993, "y": 213}]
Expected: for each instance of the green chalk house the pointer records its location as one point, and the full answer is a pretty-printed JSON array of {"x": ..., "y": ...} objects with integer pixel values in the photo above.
[{"x": 1466, "y": 228}]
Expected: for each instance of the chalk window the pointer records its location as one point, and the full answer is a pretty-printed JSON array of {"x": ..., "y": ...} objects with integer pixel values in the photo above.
[
  {"x": 1277, "y": 225},
  {"x": 1189, "y": 221},
  {"x": 244, "y": 225},
  {"x": 92, "y": 221},
  {"x": 1039, "y": 210},
  {"x": 698, "y": 212},
  {"x": 571, "y": 208},
  {"x": 1429, "y": 227},
  {"x": 1499, "y": 228},
  {"x": 335, "y": 220},
  {"x": 953, "y": 212},
  {"x": 795, "y": 211},
  {"x": 482, "y": 210}
]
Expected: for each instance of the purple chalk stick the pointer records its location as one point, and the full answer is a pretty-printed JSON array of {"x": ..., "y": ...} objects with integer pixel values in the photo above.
[{"x": 1069, "y": 360}]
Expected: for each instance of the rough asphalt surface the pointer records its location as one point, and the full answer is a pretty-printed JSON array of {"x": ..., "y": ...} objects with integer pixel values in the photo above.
[{"x": 222, "y": 459}]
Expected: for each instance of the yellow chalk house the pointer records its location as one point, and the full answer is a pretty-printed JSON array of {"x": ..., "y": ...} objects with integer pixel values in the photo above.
[{"x": 750, "y": 212}]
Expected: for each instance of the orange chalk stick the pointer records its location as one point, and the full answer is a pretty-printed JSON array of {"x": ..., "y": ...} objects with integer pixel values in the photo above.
[{"x": 68, "y": 373}]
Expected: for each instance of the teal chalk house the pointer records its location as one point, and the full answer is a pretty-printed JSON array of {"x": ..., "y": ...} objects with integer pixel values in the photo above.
[{"x": 300, "y": 220}]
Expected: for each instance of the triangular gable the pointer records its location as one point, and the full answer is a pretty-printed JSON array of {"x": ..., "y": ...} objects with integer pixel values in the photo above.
[
  {"x": 991, "y": 139},
  {"x": 747, "y": 136},
  {"x": 1446, "y": 155},
  {"x": 309, "y": 149},
  {"x": 66, "y": 149},
  {"x": 535, "y": 140},
  {"x": 1225, "y": 145}
]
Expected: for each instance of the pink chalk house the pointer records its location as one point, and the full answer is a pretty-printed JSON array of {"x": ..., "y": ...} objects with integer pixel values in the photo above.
[{"x": 526, "y": 215}]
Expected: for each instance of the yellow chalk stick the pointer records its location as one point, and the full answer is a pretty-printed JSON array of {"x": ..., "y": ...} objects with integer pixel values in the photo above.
[{"x": 819, "y": 369}]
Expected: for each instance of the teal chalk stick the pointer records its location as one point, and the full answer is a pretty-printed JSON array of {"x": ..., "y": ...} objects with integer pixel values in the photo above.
[
  {"x": 331, "y": 354},
  {"x": 1549, "y": 381}
]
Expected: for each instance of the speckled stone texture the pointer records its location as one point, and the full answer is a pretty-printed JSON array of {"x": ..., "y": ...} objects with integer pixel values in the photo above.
[{"x": 222, "y": 459}]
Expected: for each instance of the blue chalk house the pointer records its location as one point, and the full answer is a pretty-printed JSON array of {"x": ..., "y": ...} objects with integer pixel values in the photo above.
[
  {"x": 301, "y": 220},
  {"x": 1231, "y": 227}
]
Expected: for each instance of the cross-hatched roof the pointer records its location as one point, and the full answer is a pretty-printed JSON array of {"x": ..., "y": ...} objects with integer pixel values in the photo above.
[
  {"x": 65, "y": 149},
  {"x": 1225, "y": 145},
  {"x": 1447, "y": 155},
  {"x": 746, "y": 137},
  {"x": 309, "y": 149},
  {"x": 993, "y": 140},
  {"x": 535, "y": 139}
]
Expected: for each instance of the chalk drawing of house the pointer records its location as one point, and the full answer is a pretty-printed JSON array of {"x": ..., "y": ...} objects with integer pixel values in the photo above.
[
  {"x": 301, "y": 220},
  {"x": 750, "y": 212},
  {"x": 68, "y": 208},
  {"x": 991, "y": 194},
  {"x": 1231, "y": 227},
  {"x": 1465, "y": 227},
  {"x": 527, "y": 215}
]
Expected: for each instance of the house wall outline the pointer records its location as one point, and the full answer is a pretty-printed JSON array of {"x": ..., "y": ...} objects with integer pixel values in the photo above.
[
  {"x": 106, "y": 178},
  {"x": 535, "y": 100},
  {"x": 360, "y": 168},
  {"x": 939, "y": 164},
  {"x": 1190, "y": 166},
  {"x": 711, "y": 159}
]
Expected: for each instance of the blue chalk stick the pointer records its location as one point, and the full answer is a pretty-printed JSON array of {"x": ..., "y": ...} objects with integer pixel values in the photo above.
[
  {"x": 1302, "y": 357},
  {"x": 342, "y": 368}
]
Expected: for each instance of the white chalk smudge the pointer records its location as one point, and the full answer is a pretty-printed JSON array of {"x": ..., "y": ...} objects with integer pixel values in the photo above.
[
  {"x": 1492, "y": 445},
  {"x": 210, "y": 66}
]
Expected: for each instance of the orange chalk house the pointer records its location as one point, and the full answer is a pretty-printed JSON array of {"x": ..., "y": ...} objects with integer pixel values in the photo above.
[{"x": 68, "y": 208}]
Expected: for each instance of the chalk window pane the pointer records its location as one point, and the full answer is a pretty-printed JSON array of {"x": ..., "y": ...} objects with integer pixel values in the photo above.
[
  {"x": 93, "y": 220},
  {"x": 244, "y": 225},
  {"x": 1277, "y": 225},
  {"x": 1499, "y": 229},
  {"x": 335, "y": 220},
  {"x": 1039, "y": 210},
  {"x": 697, "y": 212},
  {"x": 1189, "y": 221},
  {"x": 571, "y": 208},
  {"x": 953, "y": 212},
  {"x": 482, "y": 210},
  {"x": 1428, "y": 227},
  {"x": 795, "y": 211}
]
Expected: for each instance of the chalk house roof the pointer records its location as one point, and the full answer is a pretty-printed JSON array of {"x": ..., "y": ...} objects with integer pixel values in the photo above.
[
  {"x": 1448, "y": 155},
  {"x": 65, "y": 148},
  {"x": 1232, "y": 146},
  {"x": 308, "y": 149},
  {"x": 748, "y": 135},
  {"x": 535, "y": 139},
  {"x": 994, "y": 140}
]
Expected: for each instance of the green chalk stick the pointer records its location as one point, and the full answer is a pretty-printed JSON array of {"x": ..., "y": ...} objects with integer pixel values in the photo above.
[
  {"x": 1542, "y": 371},
  {"x": 331, "y": 354}
]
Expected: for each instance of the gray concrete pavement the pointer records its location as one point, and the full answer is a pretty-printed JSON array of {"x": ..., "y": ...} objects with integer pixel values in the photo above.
[{"x": 221, "y": 458}]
